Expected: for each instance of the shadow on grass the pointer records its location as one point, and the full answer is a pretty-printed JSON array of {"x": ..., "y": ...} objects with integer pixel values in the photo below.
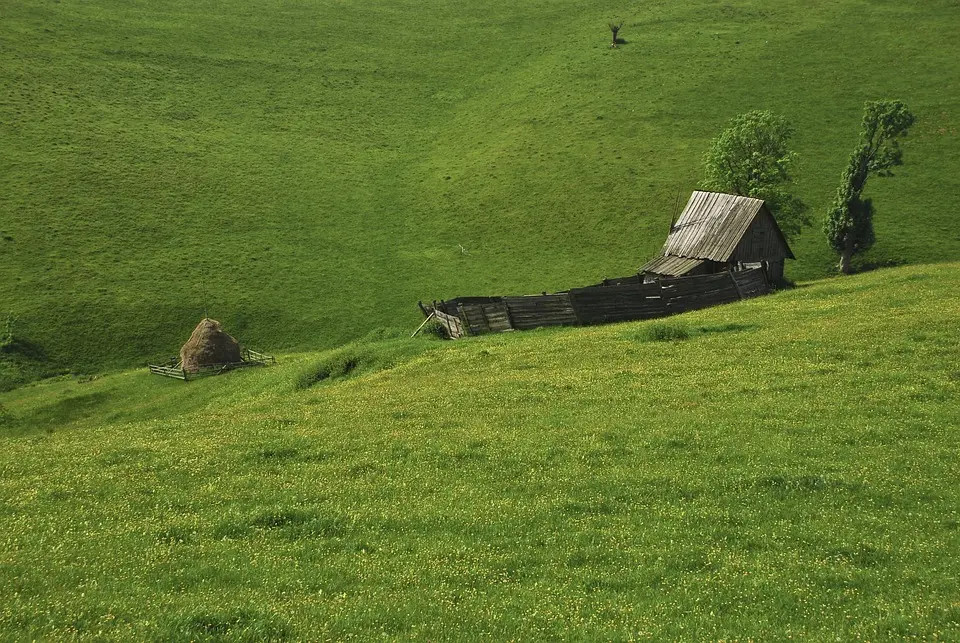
[
  {"x": 288, "y": 454},
  {"x": 364, "y": 357},
  {"x": 66, "y": 411},
  {"x": 862, "y": 555},
  {"x": 878, "y": 264},
  {"x": 802, "y": 484},
  {"x": 726, "y": 328},
  {"x": 24, "y": 349},
  {"x": 678, "y": 331},
  {"x": 23, "y": 361}
]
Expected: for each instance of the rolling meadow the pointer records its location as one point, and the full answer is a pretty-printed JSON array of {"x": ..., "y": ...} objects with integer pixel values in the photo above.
[
  {"x": 784, "y": 467},
  {"x": 306, "y": 170}
]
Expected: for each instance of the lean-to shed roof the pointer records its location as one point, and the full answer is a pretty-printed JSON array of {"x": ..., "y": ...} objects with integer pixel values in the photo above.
[
  {"x": 712, "y": 225},
  {"x": 670, "y": 266}
]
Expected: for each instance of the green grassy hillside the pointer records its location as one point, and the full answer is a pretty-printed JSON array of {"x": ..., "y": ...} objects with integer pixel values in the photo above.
[
  {"x": 787, "y": 471},
  {"x": 306, "y": 170}
]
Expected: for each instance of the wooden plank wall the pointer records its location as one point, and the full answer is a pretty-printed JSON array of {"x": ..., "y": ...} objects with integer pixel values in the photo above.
[
  {"x": 751, "y": 283},
  {"x": 608, "y": 304},
  {"x": 761, "y": 242},
  {"x": 482, "y": 318},
  {"x": 600, "y": 304},
  {"x": 692, "y": 293},
  {"x": 534, "y": 311}
]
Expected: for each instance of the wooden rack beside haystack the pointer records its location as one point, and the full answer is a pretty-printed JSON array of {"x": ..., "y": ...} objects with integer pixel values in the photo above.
[
  {"x": 210, "y": 351},
  {"x": 174, "y": 367}
]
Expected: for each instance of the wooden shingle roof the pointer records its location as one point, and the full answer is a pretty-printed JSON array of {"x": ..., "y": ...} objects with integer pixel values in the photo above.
[
  {"x": 670, "y": 266},
  {"x": 711, "y": 226}
]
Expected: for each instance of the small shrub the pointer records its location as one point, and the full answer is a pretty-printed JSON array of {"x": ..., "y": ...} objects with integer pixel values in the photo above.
[
  {"x": 725, "y": 328},
  {"x": 6, "y": 418},
  {"x": 361, "y": 358},
  {"x": 435, "y": 330},
  {"x": 665, "y": 333},
  {"x": 21, "y": 360},
  {"x": 279, "y": 454},
  {"x": 296, "y": 524},
  {"x": 241, "y": 625},
  {"x": 339, "y": 365}
]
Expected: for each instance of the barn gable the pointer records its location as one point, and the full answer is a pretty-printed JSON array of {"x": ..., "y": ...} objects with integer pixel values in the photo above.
[{"x": 762, "y": 241}]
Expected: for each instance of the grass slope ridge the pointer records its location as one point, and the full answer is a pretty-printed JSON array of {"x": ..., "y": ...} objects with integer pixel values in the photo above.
[
  {"x": 306, "y": 171},
  {"x": 785, "y": 470}
]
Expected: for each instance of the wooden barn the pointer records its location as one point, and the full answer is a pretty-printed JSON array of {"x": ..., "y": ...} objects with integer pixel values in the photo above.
[{"x": 718, "y": 233}]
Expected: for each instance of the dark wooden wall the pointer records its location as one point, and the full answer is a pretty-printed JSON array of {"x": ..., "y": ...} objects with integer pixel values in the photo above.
[
  {"x": 608, "y": 304},
  {"x": 761, "y": 242},
  {"x": 486, "y": 317},
  {"x": 535, "y": 311},
  {"x": 774, "y": 270},
  {"x": 625, "y": 300}
]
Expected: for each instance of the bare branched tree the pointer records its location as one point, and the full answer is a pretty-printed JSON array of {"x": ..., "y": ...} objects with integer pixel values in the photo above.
[{"x": 614, "y": 29}]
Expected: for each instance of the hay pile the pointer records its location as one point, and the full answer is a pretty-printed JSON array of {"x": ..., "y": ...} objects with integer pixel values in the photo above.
[{"x": 209, "y": 345}]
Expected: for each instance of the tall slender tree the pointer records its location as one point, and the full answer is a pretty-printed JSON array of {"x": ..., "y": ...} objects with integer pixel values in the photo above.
[{"x": 849, "y": 222}]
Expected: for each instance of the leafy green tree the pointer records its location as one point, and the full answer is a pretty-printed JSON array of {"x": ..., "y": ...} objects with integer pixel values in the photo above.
[
  {"x": 751, "y": 157},
  {"x": 849, "y": 222}
]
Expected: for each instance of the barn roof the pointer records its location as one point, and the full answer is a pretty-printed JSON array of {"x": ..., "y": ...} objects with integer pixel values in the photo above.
[{"x": 712, "y": 225}]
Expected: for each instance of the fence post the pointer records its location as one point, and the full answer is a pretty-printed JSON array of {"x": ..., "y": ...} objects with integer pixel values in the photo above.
[
  {"x": 735, "y": 284},
  {"x": 419, "y": 328},
  {"x": 464, "y": 322},
  {"x": 573, "y": 306}
]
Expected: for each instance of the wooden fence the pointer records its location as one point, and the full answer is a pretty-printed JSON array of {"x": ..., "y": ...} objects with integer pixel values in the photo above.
[
  {"x": 174, "y": 367},
  {"x": 613, "y": 300}
]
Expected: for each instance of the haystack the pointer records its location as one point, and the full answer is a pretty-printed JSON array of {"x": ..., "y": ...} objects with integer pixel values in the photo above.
[{"x": 209, "y": 345}]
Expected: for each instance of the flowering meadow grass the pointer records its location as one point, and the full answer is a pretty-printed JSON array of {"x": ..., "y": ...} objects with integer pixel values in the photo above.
[{"x": 788, "y": 469}]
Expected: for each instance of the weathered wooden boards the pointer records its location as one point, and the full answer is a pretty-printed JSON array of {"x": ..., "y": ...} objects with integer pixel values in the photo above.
[
  {"x": 175, "y": 372},
  {"x": 608, "y": 304},
  {"x": 625, "y": 299},
  {"x": 534, "y": 311},
  {"x": 692, "y": 293},
  {"x": 451, "y": 323},
  {"x": 174, "y": 367},
  {"x": 751, "y": 283}
]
